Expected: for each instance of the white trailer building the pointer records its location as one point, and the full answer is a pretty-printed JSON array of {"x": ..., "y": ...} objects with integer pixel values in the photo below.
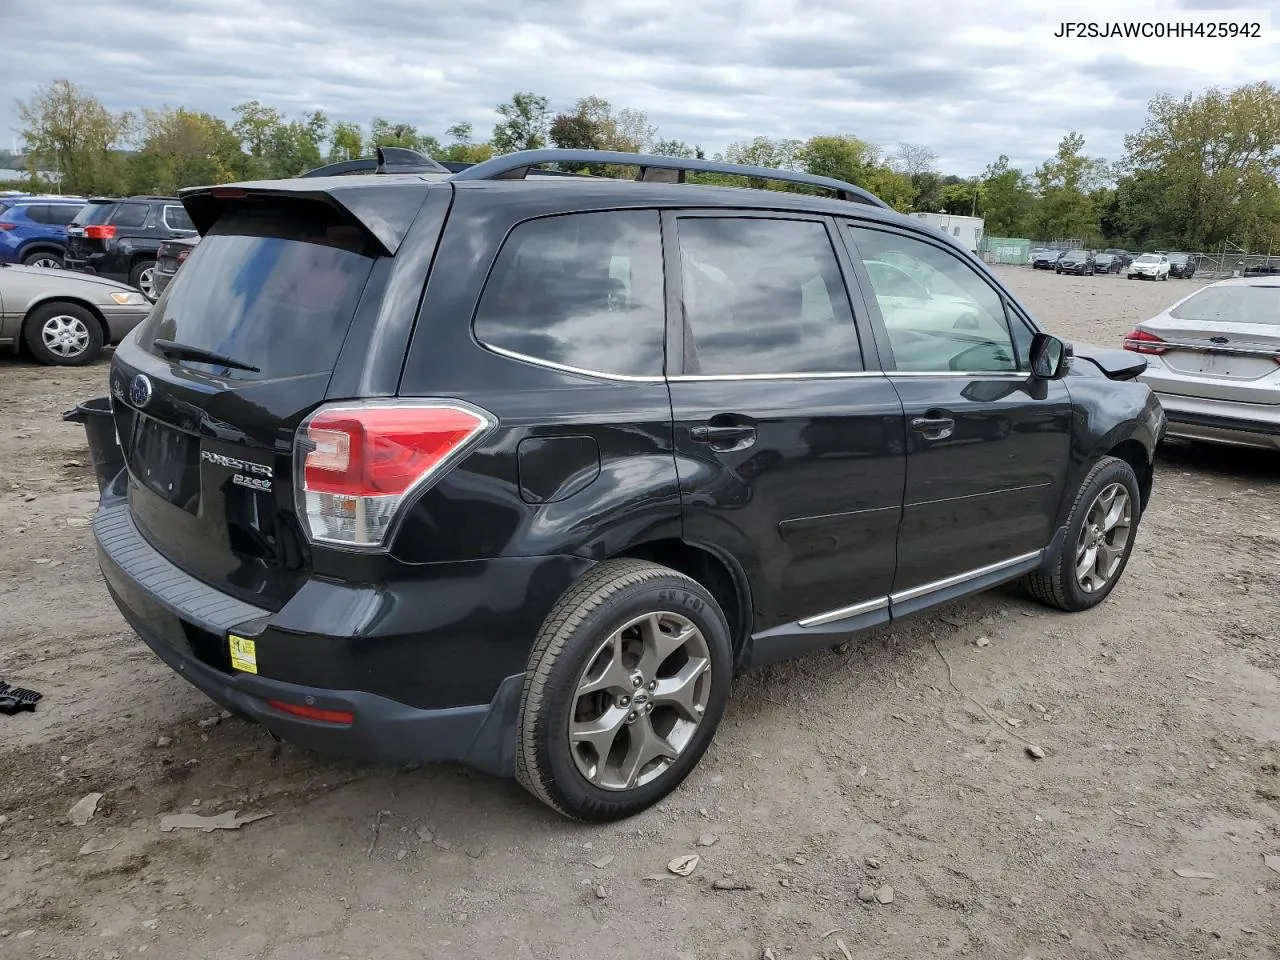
[{"x": 968, "y": 230}]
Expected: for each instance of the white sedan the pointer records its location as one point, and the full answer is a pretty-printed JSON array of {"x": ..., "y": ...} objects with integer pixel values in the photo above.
[
  {"x": 1213, "y": 360},
  {"x": 1150, "y": 266}
]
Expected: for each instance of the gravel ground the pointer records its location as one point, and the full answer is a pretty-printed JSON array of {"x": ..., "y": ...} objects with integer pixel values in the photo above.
[{"x": 871, "y": 773}]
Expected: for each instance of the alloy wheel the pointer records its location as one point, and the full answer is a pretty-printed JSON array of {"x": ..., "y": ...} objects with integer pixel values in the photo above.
[
  {"x": 639, "y": 701},
  {"x": 147, "y": 282},
  {"x": 48, "y": 263},
  {"x": 65, "y": 336},
  {"x": 1104, "y": 536}
]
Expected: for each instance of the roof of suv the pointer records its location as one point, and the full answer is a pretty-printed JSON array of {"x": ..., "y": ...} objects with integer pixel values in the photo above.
[{"x": 386, "y": 203}]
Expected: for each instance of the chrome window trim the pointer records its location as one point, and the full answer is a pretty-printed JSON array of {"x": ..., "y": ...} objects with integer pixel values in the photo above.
[
  {"x": 972, "y": 375},
  {"x": 694, "y": 377},
  {"x": 565, "y": 368}
]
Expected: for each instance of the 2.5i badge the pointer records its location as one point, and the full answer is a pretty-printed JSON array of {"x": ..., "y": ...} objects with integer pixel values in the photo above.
[{"x": 244, "y": 654}]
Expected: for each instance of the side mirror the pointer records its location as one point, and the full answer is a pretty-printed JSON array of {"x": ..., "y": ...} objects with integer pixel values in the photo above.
[{"x": 1048, "y": 357}]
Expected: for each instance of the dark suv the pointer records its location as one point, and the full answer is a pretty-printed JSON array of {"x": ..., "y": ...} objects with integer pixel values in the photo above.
[
  {"x": 1182, "y": 266},
  {"x": 1079, "y": 262},
  {"x": 519, "y": 472},
  {"x": 118, "y": 239}
]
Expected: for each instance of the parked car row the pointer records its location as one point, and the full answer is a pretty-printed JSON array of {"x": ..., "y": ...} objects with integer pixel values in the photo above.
[
  {"x": 1086, "y": 263},
  {"x": 78, "y": 274}
]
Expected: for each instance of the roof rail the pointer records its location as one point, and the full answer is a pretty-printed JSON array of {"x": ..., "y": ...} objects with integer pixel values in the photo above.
[
  {"x": 388, "y": 160},
  {"x": 514, "y": 166}
]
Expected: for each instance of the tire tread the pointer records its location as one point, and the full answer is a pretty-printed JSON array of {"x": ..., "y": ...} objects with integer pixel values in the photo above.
[{"x": 595, "y": 589}]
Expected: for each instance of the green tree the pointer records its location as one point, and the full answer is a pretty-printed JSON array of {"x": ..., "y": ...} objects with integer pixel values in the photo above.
[
  {"x": 462, "y": 146},
  {"x": 346, "y": 141},
  {"x": 256, "y": 126},
  {"x": 918, "y": 164},
  {"x": 1065, "y": 181},
  {"x": 66, "y": 127},
  {"x": 678, "y": 148},
  {"x": 1216, "y": 157},
  {"x": 1007, "y": 200},
  {"x": 963, "y": 198},
  {"x": 182, "y": 148},
  {"x": 523, "y": 125}
]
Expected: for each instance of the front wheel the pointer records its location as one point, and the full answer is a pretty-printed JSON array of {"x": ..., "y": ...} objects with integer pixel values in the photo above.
[
  {"x": 625, "y": 687},
  {"x": 1100, "y": 534},
  {"x": 63, "y": 334}
]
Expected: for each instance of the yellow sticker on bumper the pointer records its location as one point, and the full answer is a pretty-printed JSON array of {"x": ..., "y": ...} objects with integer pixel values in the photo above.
[{"x": 244, "y": 654}]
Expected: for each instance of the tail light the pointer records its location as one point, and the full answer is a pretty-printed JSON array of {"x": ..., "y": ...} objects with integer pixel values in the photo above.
[
  {"x": 184, "y": 253},
  {"x": 7, "y": 226},
  {"x": 99, "y": 232},
  {"x": 360, "y": 465},
  {"x": 1139, "y": 341}
]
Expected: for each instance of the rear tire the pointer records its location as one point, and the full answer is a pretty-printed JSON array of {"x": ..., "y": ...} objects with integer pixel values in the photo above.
[
  {"x": 44, "y": 259},
  {"x": 1101, "y": 530},
  {"x": 63, "y": 335},
  {"x": 609, "y": 663},
  {"x": 142, "y": 276}
]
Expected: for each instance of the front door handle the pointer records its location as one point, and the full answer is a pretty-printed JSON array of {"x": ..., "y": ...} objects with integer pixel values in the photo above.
[
  {"x": 718, "y": 436},
  {"x": 934, "y": 428}
]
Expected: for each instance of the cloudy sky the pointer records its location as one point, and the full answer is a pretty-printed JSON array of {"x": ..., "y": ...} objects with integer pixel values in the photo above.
[{"x": 969, "y": 78}]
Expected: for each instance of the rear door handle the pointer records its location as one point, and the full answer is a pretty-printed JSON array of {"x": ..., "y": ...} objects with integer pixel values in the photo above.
[{"x": 934, "y": 428}]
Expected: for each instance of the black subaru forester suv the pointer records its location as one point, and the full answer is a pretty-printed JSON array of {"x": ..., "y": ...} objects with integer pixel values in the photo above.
[{"x": 521, "y": 471}]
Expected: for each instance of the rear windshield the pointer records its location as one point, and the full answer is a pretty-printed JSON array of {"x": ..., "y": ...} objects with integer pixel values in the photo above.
[
  {"x": 272, "y": 286},
  {"x": 93, "y": 213},
  {"x": 1234, "y": 304}
]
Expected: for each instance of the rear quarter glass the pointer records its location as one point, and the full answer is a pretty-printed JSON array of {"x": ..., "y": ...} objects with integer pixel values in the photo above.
[
  {"x": 274, "y": 285},
  {"x": 94, "y": 213}
]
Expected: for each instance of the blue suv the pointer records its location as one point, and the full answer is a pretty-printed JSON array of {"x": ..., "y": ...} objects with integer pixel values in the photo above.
[{"x": 33, "y": 230}]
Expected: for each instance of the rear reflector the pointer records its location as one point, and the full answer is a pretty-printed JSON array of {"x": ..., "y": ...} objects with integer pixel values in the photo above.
[
  {"x": 7, "y": 226},
  {"x": 360, "y": 465},
  {"x": 1139, "y": 341},
  {"x": 313, "y": 713},
  {"x": 99, "y": 232},
  {"x": 183, "y": 254}
]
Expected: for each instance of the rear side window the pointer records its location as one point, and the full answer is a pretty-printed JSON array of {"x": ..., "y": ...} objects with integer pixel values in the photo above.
[
  {"x": 175, "y": 218},
  {"x": 271, "y": 285},
  {"x": 62, "y": 213},
  {"x": 764, "y": 297},
  {"x": 93, "y": 213},
  {"x": 38, "y": 213},
  {"x": 582, "y": 290},
  {"x": 130, "y": 215}
]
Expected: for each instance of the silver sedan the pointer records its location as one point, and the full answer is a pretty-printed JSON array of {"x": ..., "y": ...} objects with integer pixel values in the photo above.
[
  {"x": 65, "y": 318},
  {"x": 1214, "y": 362}
]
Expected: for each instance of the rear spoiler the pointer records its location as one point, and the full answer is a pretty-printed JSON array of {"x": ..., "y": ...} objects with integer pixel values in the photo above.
[{"x": 384, "y": 211}]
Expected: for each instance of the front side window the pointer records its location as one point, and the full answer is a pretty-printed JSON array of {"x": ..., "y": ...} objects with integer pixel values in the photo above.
[
  {"x": 764, "y": 297},
  {"x": 950, "y": 320},
  {"x": 583, "y": 290}
]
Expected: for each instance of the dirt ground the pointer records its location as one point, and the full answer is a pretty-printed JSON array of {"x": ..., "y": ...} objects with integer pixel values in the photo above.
[{"x": 1159, "y": 713}]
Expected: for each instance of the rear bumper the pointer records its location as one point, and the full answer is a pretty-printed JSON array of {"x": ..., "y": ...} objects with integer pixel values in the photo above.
[
  {"x": 1222, "y": 421},
  {"x": 181, "y": 618},
  {"x": 98, "y": 264}
]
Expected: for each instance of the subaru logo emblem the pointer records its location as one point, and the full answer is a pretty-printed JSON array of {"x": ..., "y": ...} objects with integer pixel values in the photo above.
[{"x": 140, "y": 390}]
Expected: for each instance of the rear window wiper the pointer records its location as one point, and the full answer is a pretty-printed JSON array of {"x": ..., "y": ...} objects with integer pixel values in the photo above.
[{"x": 185, "y": 351}]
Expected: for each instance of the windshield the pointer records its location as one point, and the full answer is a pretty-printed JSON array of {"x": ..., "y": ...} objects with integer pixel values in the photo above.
[
  {"x": 1232, "y": 304},
  {"x": 275, "y": 286},
  {"x": 1177, "y": 258},
  {"x": 1076, "y": 254},
  {"x": 1148, "y": 258}
]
